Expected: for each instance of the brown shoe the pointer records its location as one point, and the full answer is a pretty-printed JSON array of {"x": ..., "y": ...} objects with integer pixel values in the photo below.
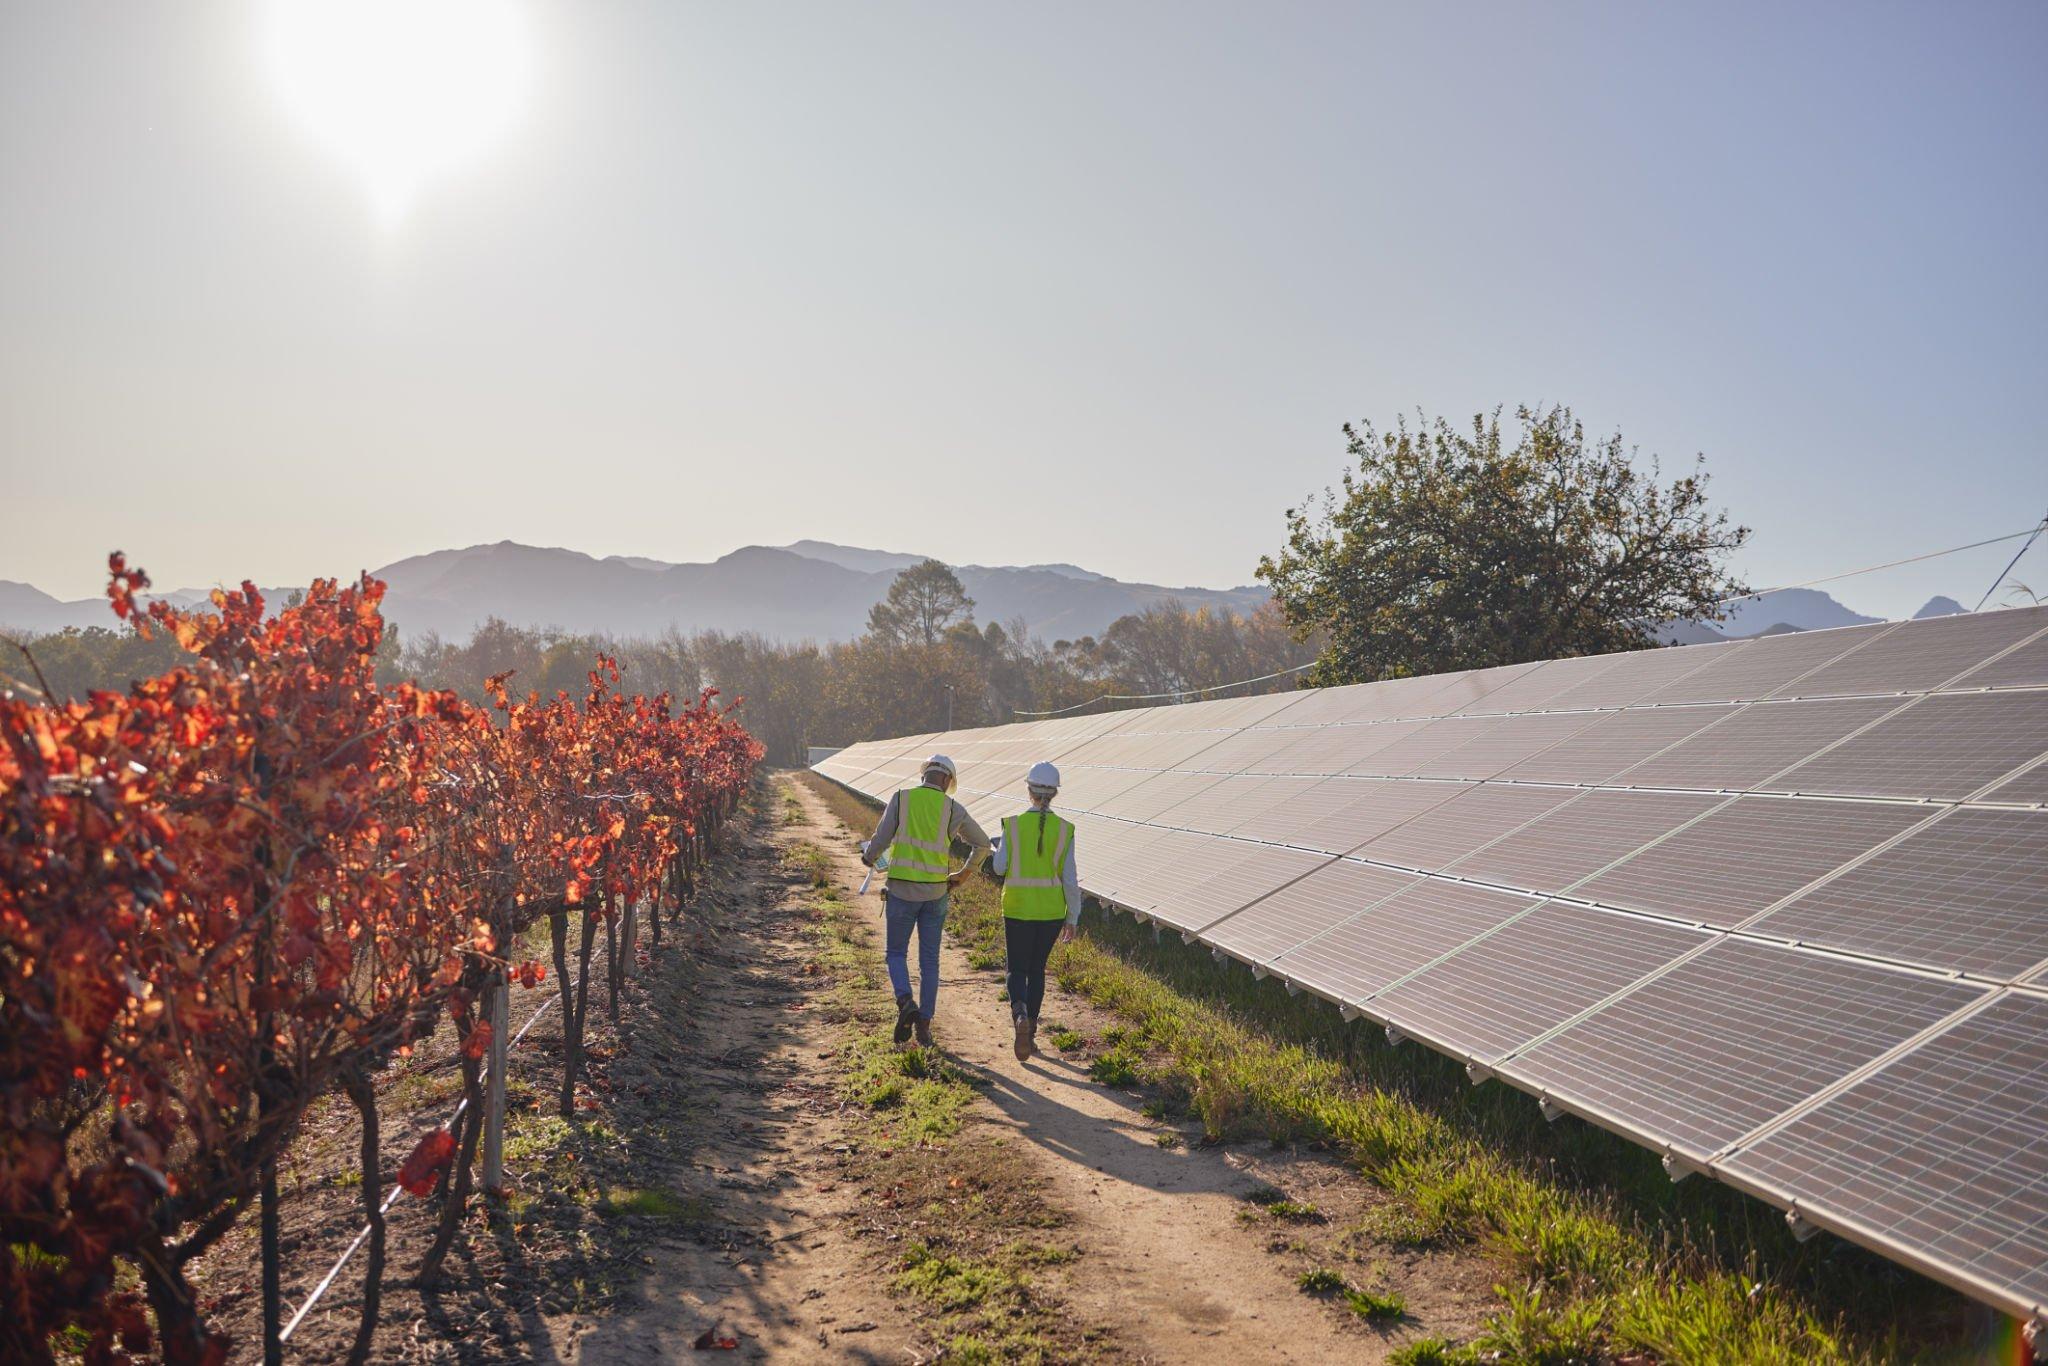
[
  {"x": 924, "y": 1032},
  {"x": 1023, "y": 1047}
]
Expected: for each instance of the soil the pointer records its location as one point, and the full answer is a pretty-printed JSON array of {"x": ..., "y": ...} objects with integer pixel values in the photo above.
[{"x": 707, "y": 1193}]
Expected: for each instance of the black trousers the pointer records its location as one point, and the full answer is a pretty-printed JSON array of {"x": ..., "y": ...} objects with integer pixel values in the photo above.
[{"x": 1029, "y": 943}]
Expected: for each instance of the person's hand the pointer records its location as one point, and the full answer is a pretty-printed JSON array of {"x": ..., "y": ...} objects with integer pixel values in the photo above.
[
  {"x": 1067, "y": 933},
  {"x": 955, "y": 879}
]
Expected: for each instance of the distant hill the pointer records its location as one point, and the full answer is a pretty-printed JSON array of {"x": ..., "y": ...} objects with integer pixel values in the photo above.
[
  {"x": 813, "y": 590},
  {"x": 1939, "y": 607}
]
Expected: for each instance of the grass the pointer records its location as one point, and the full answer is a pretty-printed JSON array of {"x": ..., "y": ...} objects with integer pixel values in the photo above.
[
  {"x": 657, "y": 1203},
  {"x": 1118, "y": 1067},
  {"x": 1320, "y": 1281},
  {"x": 1607, "y": 1256},
  {"x": 1067, "y": 1040}
]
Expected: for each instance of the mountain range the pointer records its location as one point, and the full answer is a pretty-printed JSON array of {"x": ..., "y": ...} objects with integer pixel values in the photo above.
[{"x": 807, "y": 590}]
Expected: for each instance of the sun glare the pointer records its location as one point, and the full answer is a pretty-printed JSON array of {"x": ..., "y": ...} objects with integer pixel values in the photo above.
[{"x": 402, "y": 90}]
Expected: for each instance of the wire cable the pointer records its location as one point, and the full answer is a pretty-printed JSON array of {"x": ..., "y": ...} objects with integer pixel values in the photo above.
[{"x": 2003, "y": 573}]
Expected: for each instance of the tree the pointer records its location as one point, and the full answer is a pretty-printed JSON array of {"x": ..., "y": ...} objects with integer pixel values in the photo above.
[
  {"x": 923, "y": 603},
  {"x": 1449, "y": 549}
]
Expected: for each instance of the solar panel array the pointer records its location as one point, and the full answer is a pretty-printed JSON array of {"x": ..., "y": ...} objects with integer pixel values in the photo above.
[{"x": 1776, "y": 908}]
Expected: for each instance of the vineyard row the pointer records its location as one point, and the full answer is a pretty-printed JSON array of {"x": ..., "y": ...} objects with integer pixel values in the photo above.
[{"x": 253, "y": 881}]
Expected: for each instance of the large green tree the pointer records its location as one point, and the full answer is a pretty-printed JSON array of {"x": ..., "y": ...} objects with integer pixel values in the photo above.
[{"x": 1456, "y": 548}]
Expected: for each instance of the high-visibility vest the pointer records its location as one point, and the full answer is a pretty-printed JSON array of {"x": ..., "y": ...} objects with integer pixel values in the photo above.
[
  {"x": 920, "y": 852},
  {"x": 1035, "y": 847}
]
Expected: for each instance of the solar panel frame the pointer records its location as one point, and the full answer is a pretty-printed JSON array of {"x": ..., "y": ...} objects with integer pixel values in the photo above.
[
  {"x": 1908, "y": 904},
  {"x": 1498, "y": 993},
  {"x": 1754, "y": 744},
  {"x": 1613, "y": 743},
  {"x": 1936, "y": 651},
  {"x": 2024, "y": 667},
  {"x": 1939, "y": 1158},
  {"x": 1579, "y": 838},
  {"x": 1388, "y": 940},
  {"x": 1944, "y": 747},
  {"x": 1725, "y": 1041},
  {"x": 1764, "y": 664},
  {"x": 1532, "y": 691},
  {"x": 1305, "y": 908},
  {"x": 1443, "y": 834},
  {"x": 1747, "y": 856}
]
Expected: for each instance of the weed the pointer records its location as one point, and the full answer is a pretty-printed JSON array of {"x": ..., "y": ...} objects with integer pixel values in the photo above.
[
  {"x": 655, "y": 1202},
  {"x": 1115, "y": 1068},
  {"x": 1169, "y": 1139},
  {"x": 1376, "y": 1306},
  {"x": 952, "y": 1283},
  {"x": 1294, "y": 1211},
  {"x": 1433, "y": 1351},
  {"x": 1067, "y": 1040},
  {"x": 1320, "y": 1281}
]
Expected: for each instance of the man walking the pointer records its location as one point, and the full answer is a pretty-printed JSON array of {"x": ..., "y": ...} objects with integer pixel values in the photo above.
[{"x": 916, "y": 832}]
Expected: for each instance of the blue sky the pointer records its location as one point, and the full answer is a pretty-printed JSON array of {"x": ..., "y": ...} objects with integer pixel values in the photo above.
[{"x": 1014, "y": 283}]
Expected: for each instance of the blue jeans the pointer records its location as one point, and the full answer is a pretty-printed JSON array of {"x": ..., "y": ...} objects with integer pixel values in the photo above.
[{"x": 928, "y": 918}]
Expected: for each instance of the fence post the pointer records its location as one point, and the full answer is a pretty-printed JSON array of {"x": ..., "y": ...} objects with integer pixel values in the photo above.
[{"x": 494, "y": 1093}]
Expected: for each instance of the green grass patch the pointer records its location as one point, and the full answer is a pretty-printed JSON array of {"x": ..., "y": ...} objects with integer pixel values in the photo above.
[
  {"x": 1320, "y": 1281},
  {"x": 655, "y": 1202},
  {"x": 1376, "y": 1306},
  {"x": 1117, "y": 1067},
  {"x": 1067, "y": 1040}
]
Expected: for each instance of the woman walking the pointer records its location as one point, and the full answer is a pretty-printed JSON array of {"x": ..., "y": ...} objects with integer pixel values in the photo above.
[{"x": 1041, "y": 898}]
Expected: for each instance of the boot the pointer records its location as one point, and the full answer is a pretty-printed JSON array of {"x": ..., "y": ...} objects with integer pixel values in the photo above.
[
  {"x": 1023, "y": 1046},
  {"x": 924, "y": 1032},
  {"x": 906, "y": 1016}
]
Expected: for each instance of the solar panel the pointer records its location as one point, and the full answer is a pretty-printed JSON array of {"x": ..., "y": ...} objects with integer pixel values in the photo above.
[
  {"x": 1786, "y": 871},
  {"x": 1965, "y": 893},
  {"x": 1933, "y": 653},
  {"x": 1497, "y": 994},
  {"x": 1226, "y": 804},
  {"x": 1410, "y": 929},
  {"x": 1361, "y": 808},
  {"x": 1635, "y": 676},
  {"x": 2029, "y": 788},
  {"x": 1754, "y": 743},
  {"x": 1944, "y": 747},
  {"x": 1759, "y": 667},
  {"x": 1511, "y": 740},
  {"x": 1161, "y": 793},
  {"x": 1533, "y": 690},
  {"x": 2025, "y": 667},
  {"x": 1302, "y": 910},
  {"x": 1726, "y": 1040},
  {"x": 1580, "y": 838},
  {"x": 1413, "y": 751},
  {"x": 1451, "y": 829},
  {"x": 1942, "y": 1153},
  {"x": 1747, "y": 856},
  {"x": 1614, "y": 742},
  {"x": 1221, "y": 877}
]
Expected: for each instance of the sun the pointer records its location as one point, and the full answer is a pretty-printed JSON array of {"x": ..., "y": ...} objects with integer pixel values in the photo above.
[{"x": 402, "y": 90}]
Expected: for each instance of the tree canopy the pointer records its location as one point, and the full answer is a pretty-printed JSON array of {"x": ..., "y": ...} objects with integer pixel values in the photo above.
[
  {"x": 1450, "y": 548},
  {"x": 924, "y": 602}
]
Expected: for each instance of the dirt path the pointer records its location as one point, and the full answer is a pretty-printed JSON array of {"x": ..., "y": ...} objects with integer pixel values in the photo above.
[
  {"x": 1174, "y": 1254},
  {"x": 778, "y": 1264}
]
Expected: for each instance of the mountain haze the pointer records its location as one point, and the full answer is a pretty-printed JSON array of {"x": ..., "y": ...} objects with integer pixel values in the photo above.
[{"x": 809, "y": 590}]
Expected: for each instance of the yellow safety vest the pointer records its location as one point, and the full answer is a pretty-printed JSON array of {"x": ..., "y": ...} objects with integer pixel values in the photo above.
[
  {"x": 1035, "y": 847},
  {"x": 920, "y": 852}
]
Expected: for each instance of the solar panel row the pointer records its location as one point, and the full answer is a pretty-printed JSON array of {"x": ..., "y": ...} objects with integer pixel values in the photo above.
[{"x": 1777, "y": 908}]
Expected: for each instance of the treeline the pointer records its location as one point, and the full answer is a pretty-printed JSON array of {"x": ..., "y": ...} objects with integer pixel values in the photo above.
[{"x": 922, "y": 653}]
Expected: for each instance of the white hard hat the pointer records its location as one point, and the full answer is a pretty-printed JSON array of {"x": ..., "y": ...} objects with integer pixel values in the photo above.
[
  {"x": 1042, "y": 775},
  {"x": 941, "y": 762}
]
